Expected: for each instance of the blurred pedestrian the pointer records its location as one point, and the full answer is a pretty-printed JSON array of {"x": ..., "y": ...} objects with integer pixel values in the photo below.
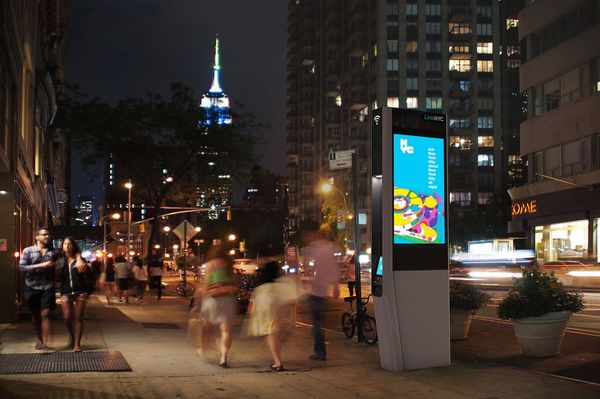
[
  {"x": 37, "y": 261},
  {"x": 265, "y": 307},
  {"x": 155, "y": 267},
  {"x": 326, "y": 277},
  {"x": 108, "y": 281},
  {"x": 74, "y": 289},
  {"x": 218, "y": 302},
  {"x": 123, "y": 274},
  {"x": 350, "y": 275},
  {"x": 140, "y": 273}
]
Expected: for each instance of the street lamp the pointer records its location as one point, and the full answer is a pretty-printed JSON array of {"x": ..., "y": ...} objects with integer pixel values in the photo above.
[
  {"x": 129, "y": 186},
  {"x": 231, "y": 237},
  {"x": 114, "y": 216}
]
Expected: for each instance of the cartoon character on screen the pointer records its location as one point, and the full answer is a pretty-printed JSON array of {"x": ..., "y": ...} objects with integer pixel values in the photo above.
[{"x": 415, "y": 215}]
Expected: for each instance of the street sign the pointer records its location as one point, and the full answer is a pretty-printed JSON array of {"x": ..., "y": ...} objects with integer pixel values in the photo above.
[
  {"x": 185, "y": 230},
  {"x": 340, "y": 159}
]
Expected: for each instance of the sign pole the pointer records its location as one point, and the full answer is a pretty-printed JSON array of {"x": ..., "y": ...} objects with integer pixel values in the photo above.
[
  {"x": 359, "y": 307},
  {"x": 184, "y": 246}
]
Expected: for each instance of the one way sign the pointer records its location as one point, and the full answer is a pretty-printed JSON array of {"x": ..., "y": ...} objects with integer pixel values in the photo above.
[{"x": 340, "y": 159}]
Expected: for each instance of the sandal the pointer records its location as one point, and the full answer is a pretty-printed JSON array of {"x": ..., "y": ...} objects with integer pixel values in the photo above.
[
  {"x": 224, "y": 365},
  {"x": 77, "y": 349},
  {"x": 277, "y": 368}
]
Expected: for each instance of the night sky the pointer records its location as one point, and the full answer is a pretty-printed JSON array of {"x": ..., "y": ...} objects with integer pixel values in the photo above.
[{"x": 119, "y": 49}]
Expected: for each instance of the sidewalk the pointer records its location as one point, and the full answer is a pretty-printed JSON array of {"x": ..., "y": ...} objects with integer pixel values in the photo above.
[{"x": 165, "y": 365}]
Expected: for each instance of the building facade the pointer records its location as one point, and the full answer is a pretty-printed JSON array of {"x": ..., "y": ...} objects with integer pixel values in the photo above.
[
  {"x": 346, "y": 58},
  {"x": 559, "y": 206},
  {"x": 33, "y": 154}
]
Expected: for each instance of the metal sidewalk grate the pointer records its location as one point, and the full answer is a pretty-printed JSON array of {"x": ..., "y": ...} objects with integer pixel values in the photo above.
[
  {"x": 62, "y": 362},
  {"x": 168, "y": 326}
]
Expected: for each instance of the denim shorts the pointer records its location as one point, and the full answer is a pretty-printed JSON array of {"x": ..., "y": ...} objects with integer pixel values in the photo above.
[{"x": 39, "y": 299}]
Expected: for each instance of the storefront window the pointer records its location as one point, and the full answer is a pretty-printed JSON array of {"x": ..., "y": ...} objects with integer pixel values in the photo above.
[{"x": 562, "y": 241}]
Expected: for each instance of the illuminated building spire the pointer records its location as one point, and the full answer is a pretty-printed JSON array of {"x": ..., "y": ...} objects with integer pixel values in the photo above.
[{"x": 216, "y": 86}]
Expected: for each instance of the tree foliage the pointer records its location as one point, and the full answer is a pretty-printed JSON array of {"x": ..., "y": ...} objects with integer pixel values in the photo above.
[{"x": 145, "y": 136}]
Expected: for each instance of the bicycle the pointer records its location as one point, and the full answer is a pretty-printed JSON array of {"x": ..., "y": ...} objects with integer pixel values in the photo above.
[
  {"x": 184, "y": 288},
  {"x": 350, "y": 321}
]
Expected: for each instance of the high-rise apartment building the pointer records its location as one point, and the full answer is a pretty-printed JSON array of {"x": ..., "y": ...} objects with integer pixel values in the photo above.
[
  {"x": 559, "y": 206},
  {"x": 33, "y": 153},
  {"x": 346, "y": 58}
]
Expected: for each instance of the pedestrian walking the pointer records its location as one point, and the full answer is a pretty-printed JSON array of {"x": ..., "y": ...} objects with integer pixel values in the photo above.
[
  {"x": 37, "y": 261},
  {"x": 140, "y": 273},
  {"x": 75, "y": 289},
  {"x": 107, "y": 279},
  {"x": 122, "y": 274},
  {"x": 265, "y": 308},
  {"x": 326, "y": 279},
  {"x": 156, "y": 270},
  {"x": 218, "y": 307},
  {"x": 350, "y": 275}
]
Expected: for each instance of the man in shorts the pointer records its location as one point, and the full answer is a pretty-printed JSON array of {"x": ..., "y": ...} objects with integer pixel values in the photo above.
[{"x": 37, "y": 261}]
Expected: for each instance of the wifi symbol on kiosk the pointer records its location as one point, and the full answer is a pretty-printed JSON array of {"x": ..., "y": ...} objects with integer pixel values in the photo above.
[{"x": 376, "y": 119}]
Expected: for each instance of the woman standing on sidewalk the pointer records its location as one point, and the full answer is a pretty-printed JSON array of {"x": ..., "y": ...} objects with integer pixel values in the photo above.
[
  {"x": 266, "y": 308},
  {"x": 218, "y": 302},
  {"x": 140, "y": 272},
  {"x": 74, "y": 290}
]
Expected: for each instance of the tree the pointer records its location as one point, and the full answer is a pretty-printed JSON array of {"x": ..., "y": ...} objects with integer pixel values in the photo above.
[{"x": 146, "y": 136}]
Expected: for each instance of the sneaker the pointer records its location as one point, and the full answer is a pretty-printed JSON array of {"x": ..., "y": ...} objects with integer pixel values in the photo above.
[
  {"x": 39, "y": 346},
  {"x": 314, "y": 356}
]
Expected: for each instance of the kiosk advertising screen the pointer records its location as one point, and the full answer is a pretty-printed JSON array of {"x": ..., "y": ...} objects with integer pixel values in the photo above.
[{"x": 419, "y": 201}]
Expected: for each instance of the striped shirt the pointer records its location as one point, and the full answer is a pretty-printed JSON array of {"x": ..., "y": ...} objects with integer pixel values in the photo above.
[{"x": 38, "y": 279}]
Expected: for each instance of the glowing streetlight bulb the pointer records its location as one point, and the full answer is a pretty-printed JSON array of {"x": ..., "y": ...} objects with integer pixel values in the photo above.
[
  {"x": 166, "y": 229},
  {"x": 157, "y": 246},
  {"x": 198, "y": 229},
  {"x": 128, "y": 185},
  {"x": 326, "y": 187},
  {"x": 116, "y": 216},
  {"x": 231, "y": 237},
  {"x": 175, "y": 246}
]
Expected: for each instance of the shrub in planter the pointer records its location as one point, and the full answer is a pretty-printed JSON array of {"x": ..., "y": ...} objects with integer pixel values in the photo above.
[
  {"x": 539, "y": 307},
  {"x": 465, "y": 299},
  {"x": 537, "y": 294}
]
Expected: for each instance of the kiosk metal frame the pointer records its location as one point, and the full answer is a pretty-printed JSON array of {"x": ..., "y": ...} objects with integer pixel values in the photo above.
[{"x": 410, "y": 238}]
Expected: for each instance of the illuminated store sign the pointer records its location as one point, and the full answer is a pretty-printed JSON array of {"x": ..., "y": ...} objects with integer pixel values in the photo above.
[
  {"x": 419, "y": 215},
  {"x": 524, "y": 208}
]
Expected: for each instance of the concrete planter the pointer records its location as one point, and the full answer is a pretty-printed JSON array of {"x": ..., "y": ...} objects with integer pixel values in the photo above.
[
  {"x": 460, "y": 321},
  {"x": 541, "y": 336}
]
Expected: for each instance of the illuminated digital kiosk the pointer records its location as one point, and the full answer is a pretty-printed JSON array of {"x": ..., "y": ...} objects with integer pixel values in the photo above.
[{"x": 410, "y": 238}]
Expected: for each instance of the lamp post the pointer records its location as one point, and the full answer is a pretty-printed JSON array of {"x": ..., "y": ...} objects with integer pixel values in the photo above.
[
  {"x": 129, "y": 186},
  {"x": 115, "y": 216}
]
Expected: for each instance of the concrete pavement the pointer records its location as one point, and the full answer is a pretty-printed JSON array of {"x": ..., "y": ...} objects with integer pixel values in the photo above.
[{"x": 165, "y": 365}]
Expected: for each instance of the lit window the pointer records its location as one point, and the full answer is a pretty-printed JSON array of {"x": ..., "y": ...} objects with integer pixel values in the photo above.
[
  {"x": 459, "y": 65},
  {"x": 393, "y": 102},
  {"x": 485, "y": 160},
  {"x": 485, "y": 122},
  {"x": 484, "y": 48},
  {"x": 411, "y": 47},
  {"x": 460, "y": 142},
  {"x": 485, "y": 66},
  {"x": 485, "y": 141},
  {"x": 460, "y": 199},
  {"x": 338, "y": 100},
  {"x": 433, "y": 103},
  {"x": 412, "y": 102},
  {"x": 392, "y": 64},
  {"x": 512, "y": 23}
]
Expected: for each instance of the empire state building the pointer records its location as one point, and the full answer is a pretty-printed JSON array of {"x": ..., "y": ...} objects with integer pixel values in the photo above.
[{"x": 215, "y": 103}]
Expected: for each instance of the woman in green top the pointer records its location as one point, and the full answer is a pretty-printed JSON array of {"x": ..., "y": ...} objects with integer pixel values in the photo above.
[{"x": 219, "y": 303}]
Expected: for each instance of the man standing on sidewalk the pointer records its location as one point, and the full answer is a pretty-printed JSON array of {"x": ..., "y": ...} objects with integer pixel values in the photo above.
[
  {"x": 155, "y": 269},
  {"x": 38, "y": 262},
  {"x": 123, "y": 274},
  {"x": 326, "y": 277}
]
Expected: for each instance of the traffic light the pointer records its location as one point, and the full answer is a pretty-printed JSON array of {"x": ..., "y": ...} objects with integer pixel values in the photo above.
[{"x": 229, "y": 215}]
